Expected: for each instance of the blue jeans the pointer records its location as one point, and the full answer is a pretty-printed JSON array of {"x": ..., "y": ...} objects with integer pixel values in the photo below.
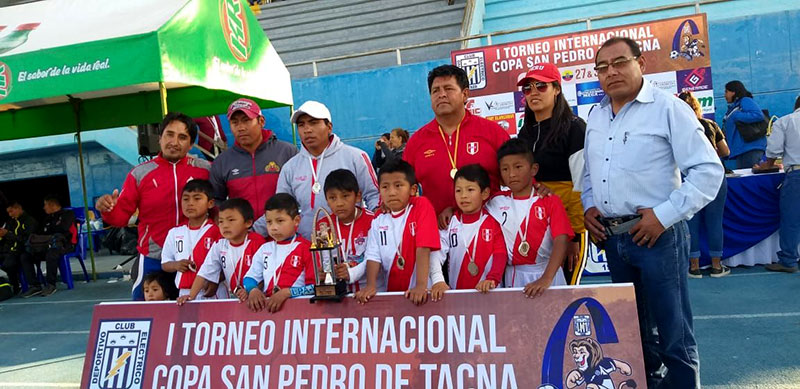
[
  {"x": 662, "y": 300},
  {"x": 790, "y": 219},
  {"x": 748, "y": 159},
  {"x": 143, "y": 266},
  {"x": 709, "y": 217}
]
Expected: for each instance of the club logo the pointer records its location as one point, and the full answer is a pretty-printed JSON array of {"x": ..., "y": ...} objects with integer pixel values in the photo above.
[
  {"x": 582, "y": 325},
  {"x": 295, "y": 261},
  {"x": 119, "y": 358},
  {"x": 207, "y": 242},
  {"x": 685, "y": 44},
  {"x": 487, "y": 235},
  {"x": 472, "y": 148},
  {"x": 475, "y": 66},
  {"x": 413, "y": 227},
  {"x": 5, "y": 80},
  {"x": 234, "y": 27},
  {"x": 272, "y": 167},
  {"x": 539, "y": 212}
]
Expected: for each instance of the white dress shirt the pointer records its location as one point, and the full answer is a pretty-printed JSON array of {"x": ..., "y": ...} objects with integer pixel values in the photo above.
[
  {"x": 634, "y": 160},
  {"x": 785, "y": 139}
]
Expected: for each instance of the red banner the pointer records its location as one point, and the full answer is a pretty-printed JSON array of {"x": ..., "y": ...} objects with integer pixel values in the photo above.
[{"x": 569, "y": 337}]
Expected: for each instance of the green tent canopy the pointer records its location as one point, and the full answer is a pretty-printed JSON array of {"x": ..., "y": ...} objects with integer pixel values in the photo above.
[{"x": 120, "y": 59}]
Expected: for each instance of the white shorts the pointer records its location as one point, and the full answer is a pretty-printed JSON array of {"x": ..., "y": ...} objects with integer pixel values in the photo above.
[{"x": 520, "y": 275}]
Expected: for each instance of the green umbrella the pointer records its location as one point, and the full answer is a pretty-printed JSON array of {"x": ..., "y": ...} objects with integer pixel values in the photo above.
[{"x": 70, "y": 66}]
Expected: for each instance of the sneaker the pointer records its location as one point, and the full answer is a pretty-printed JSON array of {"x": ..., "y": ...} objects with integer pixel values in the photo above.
[
  {"x": 779, "y": 267},
  {"x": 721, "y": 272},
  {"x": 33, "y": 291},
  {"x": 48, "y": 290},
  {"x": 695, "y": 273}
]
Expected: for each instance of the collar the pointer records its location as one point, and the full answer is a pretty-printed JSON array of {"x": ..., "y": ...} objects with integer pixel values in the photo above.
[
  {"x": 645, "y": 95},
  {"x": 471, "y": 218},
  {"x": 287, "y": 240},
  {"x": 266, "y": 135},
  {"x": 159, "y": 159},
  {"x": 433, "y": 125}
]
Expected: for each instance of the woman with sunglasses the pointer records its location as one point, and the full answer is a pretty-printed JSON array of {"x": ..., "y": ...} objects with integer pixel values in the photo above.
[{"x": 555, "y": 134}]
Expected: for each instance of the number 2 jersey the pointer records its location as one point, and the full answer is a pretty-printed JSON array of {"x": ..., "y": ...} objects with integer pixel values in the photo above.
[
  {"x": 478, "y": 237},
  {"x": 232, "y": 260},
  {"x": 184, "y": 242},
  {"x": 289, "y": 262}
]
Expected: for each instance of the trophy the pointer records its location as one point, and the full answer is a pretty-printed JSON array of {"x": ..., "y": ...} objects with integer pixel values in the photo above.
[{"x": 326, "y": 254}]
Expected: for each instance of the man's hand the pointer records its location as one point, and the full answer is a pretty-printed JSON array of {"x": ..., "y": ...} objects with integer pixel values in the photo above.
[
  {"x": 647, "y": 230},
  {"x": 363, "y": 295},
  {"x": 536, "y": 288},
  {"x": 573, "y": 255},
  {"x": 542, "y": 190},
  {"x": 485, "y": 286},
  {"x": 256, "y": 300},
  {"x": 418, "y": 295},
  {"x": 183, "y": 299},
  {"x": 444, "y": 217},
  {"x": 592, "y": 224},
  {"x": 437, "y": 290},
  {"x": 768, "y": 164},
  {"x": 342, "y": 272},
  {"x": 106, "y": 203},
  {"x": 275, "y": 302}
]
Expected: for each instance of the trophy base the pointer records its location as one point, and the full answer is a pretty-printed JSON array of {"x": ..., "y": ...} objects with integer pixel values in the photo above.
[{"x": 335, "y": 292}]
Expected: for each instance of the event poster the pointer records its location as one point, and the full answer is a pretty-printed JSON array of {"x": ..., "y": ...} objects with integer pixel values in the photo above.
[
  {"x": 676, "y": 54},
  {"x": 570, "y": 337}
]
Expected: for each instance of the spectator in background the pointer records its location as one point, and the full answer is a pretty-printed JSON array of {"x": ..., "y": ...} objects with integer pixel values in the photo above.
[
  {"x": 13, "y": 236},
  {"x": 711, "y": 215},
  {"x": 56, "y": 236},
  {"x": 742, "y": 109},
  {"x": 397, "y": 142},
  {"x": 785, "y": 141},
  {"x": 382, "y": 151}
]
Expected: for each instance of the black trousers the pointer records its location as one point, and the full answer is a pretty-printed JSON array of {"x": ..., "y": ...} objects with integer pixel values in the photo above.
[
  {"x": 11, "y": 263},
  {"x": 52, "y": 256}
]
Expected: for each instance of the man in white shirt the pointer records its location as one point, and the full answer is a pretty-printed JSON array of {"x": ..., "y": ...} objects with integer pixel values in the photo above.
[
  {"x": 639, "y": 140},
  {"x": 785, "y": 142}
]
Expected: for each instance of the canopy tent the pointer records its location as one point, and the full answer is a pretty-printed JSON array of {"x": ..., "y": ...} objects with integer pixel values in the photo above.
[{"x": 70, "y": 66}]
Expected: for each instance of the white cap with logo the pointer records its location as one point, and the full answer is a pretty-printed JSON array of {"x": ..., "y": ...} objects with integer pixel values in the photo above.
[{"x": 314, "y": 109}]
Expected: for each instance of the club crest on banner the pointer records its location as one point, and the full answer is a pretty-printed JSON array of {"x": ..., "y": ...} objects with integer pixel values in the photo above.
[
  {"x": 119, "y": 358},
  {"x": 474, "y": 64},
  {"x": 472, "y": 148},
  {"x": 5, "y": 80}
]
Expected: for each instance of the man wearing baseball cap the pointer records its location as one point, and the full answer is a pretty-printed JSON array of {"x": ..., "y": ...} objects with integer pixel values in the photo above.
[
  {"x": 321, "y": 153},
  {"x": 250, "y": 168},
  {"x": 555, "y": 135}
]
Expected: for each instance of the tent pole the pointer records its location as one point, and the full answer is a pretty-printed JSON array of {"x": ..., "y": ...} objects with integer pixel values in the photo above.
[
  {"x": 294, "y": 127},
  {"x": 76, "y": 104},
  {"x": 162, "y": 91}
]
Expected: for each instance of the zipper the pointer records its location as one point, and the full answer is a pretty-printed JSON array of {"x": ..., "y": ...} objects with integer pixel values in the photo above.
[
  {"x": 253, "y": 181},
  {"x": 177, "y": 206}
]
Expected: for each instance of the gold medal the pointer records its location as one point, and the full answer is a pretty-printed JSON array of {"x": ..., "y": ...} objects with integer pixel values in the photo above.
[
  {"x": 473, "y": 269},
  {"x": 524, "y": 248},
  {"x": 453, "y": 172},
  {"x": 401, "y": 262}
]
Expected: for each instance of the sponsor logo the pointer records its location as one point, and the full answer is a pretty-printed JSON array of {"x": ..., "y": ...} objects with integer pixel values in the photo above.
[
  {"x": 694, "y": 79},
  {"x": 567, "y": 75},
  {"x": 429, "y": 153},
  {"x": 494, "y": 105},
  {"x": 589, "y": 92},
  {"x": 472, "y": 148},
  {"x": 234, "y": 26},
  {"x": 475, "y": 66},
  {"x": 472, "y": 107},
  {"x": 5, "y": 80},
  {"x": 301, "y": 178},
  {"x": 582, "y": 325},
  {"x": 235, "y": 172},
  {"x": 665, "y": 81},
  {"x": 272, "y": 167},
  {"x": 686, "y": 43},
  {"x": 119, "y": 358}
]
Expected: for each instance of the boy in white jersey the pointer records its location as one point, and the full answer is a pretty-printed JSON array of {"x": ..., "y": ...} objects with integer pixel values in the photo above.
[
  {"x": 283, "y": 267},
  {"x": 400, "y": 241},
  {"x": 473, "y": 241},
  {"x": 351, "y": 222},
  {"x": 232, "y": 255},
  {"x": 536, "y": 229},
  {"x": 186, "y": 246}
]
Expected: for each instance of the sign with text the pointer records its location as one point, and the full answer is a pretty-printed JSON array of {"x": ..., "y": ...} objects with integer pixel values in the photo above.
[
  {"x": 675, "y": 50},
  {"x": 568, "y": 337}
]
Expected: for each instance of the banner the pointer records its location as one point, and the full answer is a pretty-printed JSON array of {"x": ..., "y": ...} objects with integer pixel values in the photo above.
[
  {"x": 675, "y": 50},
  {"x": 568, "y": 337}
]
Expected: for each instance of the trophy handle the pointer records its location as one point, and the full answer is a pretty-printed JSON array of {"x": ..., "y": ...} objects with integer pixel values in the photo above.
[{"x": 330, "y": 223}]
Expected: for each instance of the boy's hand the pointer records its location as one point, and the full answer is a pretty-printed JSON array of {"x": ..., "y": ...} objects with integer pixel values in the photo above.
[
  {"x": 210, "y": 289},
  {"x": 341, "y": 272},
  {"x": 184, "y": 265},
  {"x": 363, "y": 295},
  {"x": 536, "y": 288},
  {"x": 418, "y": 295},
  {"x": 485, "y": 286},
  {"x": 241, "y": 294},
  {"x": 573, "y": 255},
  {"x": 275, "y": 302},
  {"x": 183, "y": 299},
  {"x": 437, "y": 290},
  {"x": 256, "y": 300}
]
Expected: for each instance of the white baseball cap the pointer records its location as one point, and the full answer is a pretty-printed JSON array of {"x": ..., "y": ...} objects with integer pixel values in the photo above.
[{"x": 312, "y": 108}]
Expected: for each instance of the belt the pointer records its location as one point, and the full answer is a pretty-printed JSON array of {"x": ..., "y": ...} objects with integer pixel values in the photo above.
[
  {"x": 791, "y": 168},
  {"x": 619, "y": 225}
]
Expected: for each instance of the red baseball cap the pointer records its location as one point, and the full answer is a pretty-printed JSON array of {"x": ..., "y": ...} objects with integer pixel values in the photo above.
[
  {"x": 544, "y": 72},
  {"x": 249, "y": 107}
]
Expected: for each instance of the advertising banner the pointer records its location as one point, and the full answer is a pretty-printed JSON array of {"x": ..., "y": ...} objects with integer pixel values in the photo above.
[
  {"x": 568, "y": 337},
  {"x": 676, "y": 53}
]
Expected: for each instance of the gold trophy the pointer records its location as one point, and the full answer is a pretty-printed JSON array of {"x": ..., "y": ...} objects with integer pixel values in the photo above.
[{"x": 326, "y": 254}]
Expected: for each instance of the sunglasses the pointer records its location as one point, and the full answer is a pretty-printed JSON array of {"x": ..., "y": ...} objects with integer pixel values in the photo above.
[
  {"x": 540, "y": 86},
  {"x": 618, "y": 63}
]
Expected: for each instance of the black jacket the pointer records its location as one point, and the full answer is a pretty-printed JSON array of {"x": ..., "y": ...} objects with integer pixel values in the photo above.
[
  {"x": 18, "y": 232},
  {"x": 61, "y": 222}
]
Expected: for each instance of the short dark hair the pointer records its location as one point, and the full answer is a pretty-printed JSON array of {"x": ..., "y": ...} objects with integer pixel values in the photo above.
[
  {"x": 52, "y": 198},
  {"x": 398, "y": 166},
  {"x": 449, "y": 71},
  {"x": 191, "y": 126},
  {"x": 241, "y": 205},
  {"x": 14, "y": 203},
  {"x": 515, "y": 146},
  {"x": 738, "y": 89},
  {"x": 166, "y": 281},
  {"x": 283, "y": 202},
  {"x": 635, "y": 50},
  {"x": 474, "y": 173},
  {"x": 386, "y": 135},
  {"x": 341, "y": 179},
  {"x": 199, "y": 186}
]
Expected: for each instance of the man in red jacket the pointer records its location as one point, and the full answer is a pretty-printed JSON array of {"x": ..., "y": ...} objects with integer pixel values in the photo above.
[{"x": 154, "y": 188}]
